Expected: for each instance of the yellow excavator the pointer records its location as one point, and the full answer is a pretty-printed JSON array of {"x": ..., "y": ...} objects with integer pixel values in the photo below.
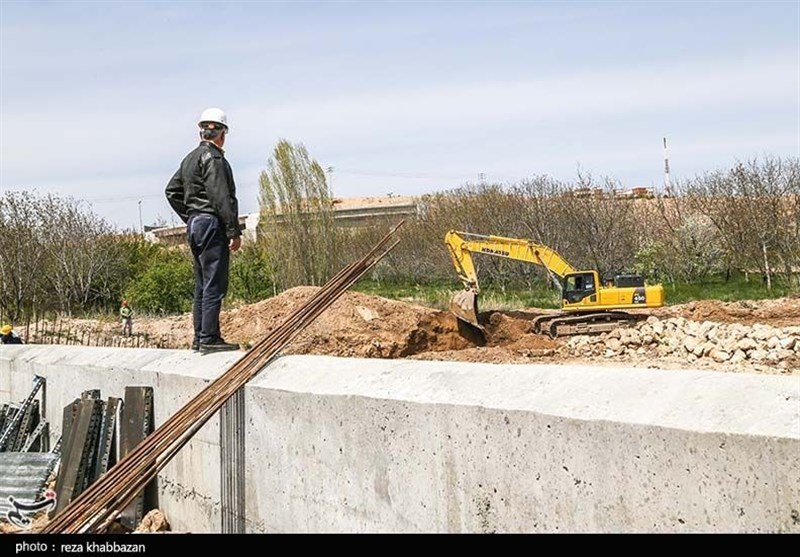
[{"x": 587, "y": 304}]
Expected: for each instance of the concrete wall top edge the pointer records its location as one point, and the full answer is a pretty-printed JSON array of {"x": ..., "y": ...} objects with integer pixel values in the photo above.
[
  {"x": 180, "y": 362},
  {"x": 731, "y": 403}
]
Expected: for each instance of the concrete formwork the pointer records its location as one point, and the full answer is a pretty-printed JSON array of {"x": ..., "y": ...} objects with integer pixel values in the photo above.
[
  {"x": 189, "y": 487},
  {"x": 336, "y": 444}
]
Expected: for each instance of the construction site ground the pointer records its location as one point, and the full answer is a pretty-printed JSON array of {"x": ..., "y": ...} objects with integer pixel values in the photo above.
[{"x": 751, "y": 336}]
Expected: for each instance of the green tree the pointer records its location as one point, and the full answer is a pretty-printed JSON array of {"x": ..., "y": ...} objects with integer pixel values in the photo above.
[
  {"x": 297, "y": 227},
  {"x": 250, "y": 276},
  {"x": 165, "y": 283},
  {"x": 753, "y": 207}
]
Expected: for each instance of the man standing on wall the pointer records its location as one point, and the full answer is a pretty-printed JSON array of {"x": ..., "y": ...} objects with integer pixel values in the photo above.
[{"x": 203, "y": 194}]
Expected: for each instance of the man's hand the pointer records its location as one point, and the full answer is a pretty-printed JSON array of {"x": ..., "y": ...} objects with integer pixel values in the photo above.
[{"x": 236, "y": 243}]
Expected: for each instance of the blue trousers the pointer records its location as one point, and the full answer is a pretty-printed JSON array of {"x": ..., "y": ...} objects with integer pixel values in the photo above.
[{"x": 209, "y": 245}]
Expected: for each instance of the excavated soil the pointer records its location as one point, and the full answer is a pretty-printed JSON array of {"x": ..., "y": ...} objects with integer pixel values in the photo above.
[
  {"x": 362, "y": 325},
  {"x": 355, "y": 325}
]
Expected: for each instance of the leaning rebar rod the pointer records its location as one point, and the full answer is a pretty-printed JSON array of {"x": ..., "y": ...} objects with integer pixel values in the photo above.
[
  {"x": 220, "y": 392},
  {"x": 219, "y": 385},
  {"x": 141, "y": 481},
  {"x": 151, "y": 471},
  {"x": 172, "y": 430},
  {"x": 121, "y": 484},
  {"x": 132, "y": 464}
]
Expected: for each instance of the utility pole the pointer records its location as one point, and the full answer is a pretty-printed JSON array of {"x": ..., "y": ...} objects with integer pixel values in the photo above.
[
  {"x": 141, "y": 224},
  {"x": 329, "y": 170},
  {"x": 667, "y": 182}
]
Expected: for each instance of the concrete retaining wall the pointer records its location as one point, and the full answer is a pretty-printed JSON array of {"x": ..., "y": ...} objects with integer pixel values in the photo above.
[{"x": 334, "y": 444}]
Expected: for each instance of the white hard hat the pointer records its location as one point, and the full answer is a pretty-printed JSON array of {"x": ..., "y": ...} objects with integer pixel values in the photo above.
[{"x": 214, "y": 115}]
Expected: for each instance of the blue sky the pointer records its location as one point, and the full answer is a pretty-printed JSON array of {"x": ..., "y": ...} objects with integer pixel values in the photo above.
[{"x": 99, "y": 100}]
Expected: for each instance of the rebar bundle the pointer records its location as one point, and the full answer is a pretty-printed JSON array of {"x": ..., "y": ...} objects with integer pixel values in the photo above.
[{"x": 100, "y": 504}]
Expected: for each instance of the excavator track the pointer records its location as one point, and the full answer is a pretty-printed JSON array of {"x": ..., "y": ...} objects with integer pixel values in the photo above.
[{"x": 565, "y": 324}]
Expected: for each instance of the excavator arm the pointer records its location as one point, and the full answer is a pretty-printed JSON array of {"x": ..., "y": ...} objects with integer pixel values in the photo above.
[{"x": 462, "y": 245}]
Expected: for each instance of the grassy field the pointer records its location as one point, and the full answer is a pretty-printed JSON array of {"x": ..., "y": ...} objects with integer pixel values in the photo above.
[
  {"x": 731, "y": 291},
  {"x": 438, "y": 295}
]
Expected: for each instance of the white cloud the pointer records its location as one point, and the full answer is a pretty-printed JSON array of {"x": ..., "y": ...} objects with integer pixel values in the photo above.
[
  {"x": 44, "y": 142},
  {"x": 112, "y": 149},
  {"x": 445, "y": 110}
]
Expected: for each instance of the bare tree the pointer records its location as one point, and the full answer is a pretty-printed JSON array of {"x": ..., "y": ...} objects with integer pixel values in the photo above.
[
  {"x": 21, "y": 255},
  {"x": 56, "y": 256},
  {"x": 598, "y": 230},
  {"x": 80, "y": 252},
  {"x": 752, "y": 206}
]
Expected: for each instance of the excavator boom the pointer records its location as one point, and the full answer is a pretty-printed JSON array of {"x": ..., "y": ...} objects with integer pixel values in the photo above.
[{"x": 462, "y": 245}]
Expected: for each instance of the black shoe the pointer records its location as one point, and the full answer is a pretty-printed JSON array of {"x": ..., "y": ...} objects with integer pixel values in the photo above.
[
  {"x": 218, "y": 345},
  {"x": 196, "y": 345}
]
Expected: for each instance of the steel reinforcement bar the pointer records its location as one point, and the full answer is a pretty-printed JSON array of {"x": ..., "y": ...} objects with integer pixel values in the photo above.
[{"x": 99, "y": 505}]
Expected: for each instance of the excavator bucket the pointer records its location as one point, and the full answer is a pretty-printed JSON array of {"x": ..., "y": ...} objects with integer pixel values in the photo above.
[{"x": 464, "y": 305}]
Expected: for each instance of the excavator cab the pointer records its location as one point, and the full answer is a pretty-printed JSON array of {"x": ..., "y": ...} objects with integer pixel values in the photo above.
[{"x": 578, "y": 286}]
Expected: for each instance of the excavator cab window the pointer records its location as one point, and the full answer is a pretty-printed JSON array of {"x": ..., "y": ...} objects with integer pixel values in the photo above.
[{"x": 579, "y": 286}]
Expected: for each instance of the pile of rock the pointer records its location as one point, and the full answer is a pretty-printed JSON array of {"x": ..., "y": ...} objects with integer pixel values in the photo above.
[
  {"x": 154, "y": 521},
  {"x": 691, "y": 340}
]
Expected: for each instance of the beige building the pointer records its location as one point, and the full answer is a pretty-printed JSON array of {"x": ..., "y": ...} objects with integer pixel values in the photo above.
[{"x": 350, "y": 212}]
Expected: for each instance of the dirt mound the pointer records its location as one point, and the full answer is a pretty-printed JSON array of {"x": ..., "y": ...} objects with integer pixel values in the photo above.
[
  {"x": 370, "y": 326},
  {"x": 355, "y": 325},
  {"x": 513, "y": 330}
]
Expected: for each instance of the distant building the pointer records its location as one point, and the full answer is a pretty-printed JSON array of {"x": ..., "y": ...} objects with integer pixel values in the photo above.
[
  {"x": 642, "y": 192},
  {"x": 350, "y": 212},
  {"x": 619, "y": 193},
  {"x": 587, "y": 192},
  {"x": 360, "y": 211},
  {"x": 176, "y": 235}
]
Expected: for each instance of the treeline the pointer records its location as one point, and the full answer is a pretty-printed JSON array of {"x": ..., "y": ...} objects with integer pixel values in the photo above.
[
  {"x": 58, "y": 257},
  {"x": 744, "y": 220}
]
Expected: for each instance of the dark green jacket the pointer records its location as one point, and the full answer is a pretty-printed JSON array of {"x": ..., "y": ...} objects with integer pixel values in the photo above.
[{"x": 204, "y": 184}]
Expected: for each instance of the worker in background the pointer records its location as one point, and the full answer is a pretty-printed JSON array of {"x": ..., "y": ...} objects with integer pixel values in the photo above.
[
  {"x": 8, "y": 336},
  {"x": 203, "y": 194},
  {"x": 126, "y": 313}
]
